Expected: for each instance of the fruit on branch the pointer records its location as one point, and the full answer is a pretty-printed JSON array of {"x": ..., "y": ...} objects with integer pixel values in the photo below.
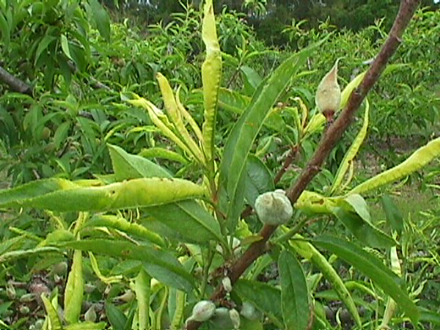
[
  {"x": 273, "y": 208},
  {"x": 328, "y": 94},
  {"x": 202, "y": 311}
]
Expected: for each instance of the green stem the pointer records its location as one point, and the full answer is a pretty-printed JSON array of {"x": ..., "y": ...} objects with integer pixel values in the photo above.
[
  {"x": 292, "y": 232},
  {"x": 206, "y": 267}
]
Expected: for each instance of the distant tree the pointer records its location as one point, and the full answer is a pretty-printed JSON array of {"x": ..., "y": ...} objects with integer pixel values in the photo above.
[{"x": 270, "y": 17}]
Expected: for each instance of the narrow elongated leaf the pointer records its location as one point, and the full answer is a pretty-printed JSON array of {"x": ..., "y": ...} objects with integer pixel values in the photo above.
[
  {"x": 294, "y": 292},
  {"x": 308, "y": 251},
  {"x": 73, "y": 295},
  {"x": 115, "y": 316},
  {"x": 117, "y": 222},
  {"x": 236, "y": 102},
  {"x": 263, "y": 296},
  {"x": 176, "y": 306},
  {"x": 161, "y": 121},
  {"x": 6, "y": 31},
  {"x": 13, "y": 255},
  {"x": 211, "y": 76},
  {"x": 61, "y": 134},
  {"x": 64, "y": 196},
  {"x": 86, "y": 326},
  {"x": 42, "y": 46},
  {"x": 101, "y": 18},
  {"x": 233, "y": 101},
  {"x": 108, "y": 280},
  {"x": 176, "y": 116},
  {"x": 363, "y": 230},
  {"x": 163, "y": 153},
  {"x": 52, "y": 314},
  {"x": 372, "y": 267},
  {"x": 393, "y": 215},
  {"x": 142, "y": 290},
  {"x": 159, "y": 263},
  {"x": 359, "y": 205},
  {"x": 244, "y": 132},
  {"x": 358, "y": 79},
  {"x": 127, "y": 166},
  {"x": 258, "y": 179},
  {"x": 352, "y": 152},
  {"x": 415, "y": 162},
  {"x": 251, "y": 79},
  {"x": 312, "y": 202},
  {"x": 65, "y": 46},
  {"x": 431, "y": 317},
  {"x": 190, "y": 220}
]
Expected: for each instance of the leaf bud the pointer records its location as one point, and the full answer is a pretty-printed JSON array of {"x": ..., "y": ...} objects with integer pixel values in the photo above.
[
  {"x": 328, "y": 94},
  {"x": 27, "y": 298},
  {"x": 60, "y": 268},
  {"x": 227, "y": 285},
  {"x": 39, "y": 324},
  {"x": 10, "y": 292},
  {"x": 235, "y": 318},
  {"x": 274, "y": 207},
  {"x": 24, "y": 310},
  {"x": 90, "y": 315}
]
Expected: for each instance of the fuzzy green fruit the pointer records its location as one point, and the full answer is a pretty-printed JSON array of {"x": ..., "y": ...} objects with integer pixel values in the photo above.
[
  {"x": 273, "y": 208},
  {"x": 203, "y": 311}
]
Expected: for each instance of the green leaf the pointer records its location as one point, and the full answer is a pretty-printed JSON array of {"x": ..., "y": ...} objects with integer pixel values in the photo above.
[
  {"x": 60, "y": 135},
  {"x": 117, "y": 222},
  {"x": 359, "y": 205},
  {"x": 258, "y": 179},
  {"x": 363, "y": 230},
  {"x": 73, "y": 295},
  {"x": 211, "y": 76},
  {"x": 175, "y": 117},
  {"x": 372, "y": 267},
  {"x": 163, "y": 153},
  {"x": 244, "y": 132},
  {"x": 86, "y": 326},
  {"x": 5, "y": 30},
  {"x": 431, "y": 317},
  {"x": 127, "y": 166},
  {"x": 188, "y": 218},
  {"x": 358, "y": 79},
  {"x": 415, "y": 162},
  {"x": 13, "y": 255},
  {"x": 393, "y": 215},
  {"x": 142, "y": 288},
  {"x": 44, "y": 43},
  {"x": 263, "y": 296},
  {"x": 251, "y": 79},
  {"x": 65, "y": 196},
  {"x": 115, "y": 316},
  {"x": 159, "y": 263},
  {"x": 294, "y": 292},
  {"x": 101, "y": 18},
  {"x": 52, "y": 314},
  {"x": 309, "y": 252},
  {"x": 351, "y": 153},
  {"x": 233, "y": 101},
  {"x": 65, "y": 47}
]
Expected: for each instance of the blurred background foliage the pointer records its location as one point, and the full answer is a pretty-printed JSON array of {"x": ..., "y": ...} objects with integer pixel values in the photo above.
[{"x": 77, "y": 63}]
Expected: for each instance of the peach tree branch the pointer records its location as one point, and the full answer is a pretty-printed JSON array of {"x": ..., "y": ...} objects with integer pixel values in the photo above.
[{"x": 332, "y": 135}]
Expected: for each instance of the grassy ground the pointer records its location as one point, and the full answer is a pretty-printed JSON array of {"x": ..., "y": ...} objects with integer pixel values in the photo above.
[{"x": 411, "y": 201}]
